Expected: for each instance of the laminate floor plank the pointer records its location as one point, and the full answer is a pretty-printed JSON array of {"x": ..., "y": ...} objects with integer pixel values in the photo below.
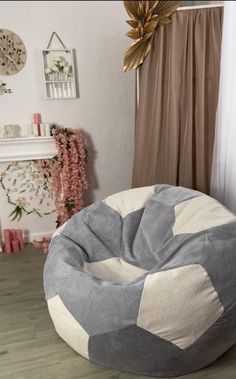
[{"x": 29, "y": 346}]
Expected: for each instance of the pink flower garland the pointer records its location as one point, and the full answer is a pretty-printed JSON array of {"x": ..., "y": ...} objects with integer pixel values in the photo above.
[
  {"x": 66, "y": 172},
  {"x": 66, "y": 175}
]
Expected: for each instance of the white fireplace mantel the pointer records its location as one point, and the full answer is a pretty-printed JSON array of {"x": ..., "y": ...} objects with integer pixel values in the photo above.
[{"x": 27, "y": 148}]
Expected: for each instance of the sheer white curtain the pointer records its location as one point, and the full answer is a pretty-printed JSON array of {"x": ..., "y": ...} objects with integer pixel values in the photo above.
[{"x": 223, "y": 186}]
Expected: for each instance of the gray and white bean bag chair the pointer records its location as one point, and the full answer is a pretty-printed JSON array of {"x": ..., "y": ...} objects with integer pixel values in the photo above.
[{"x": 144, "y": 281}]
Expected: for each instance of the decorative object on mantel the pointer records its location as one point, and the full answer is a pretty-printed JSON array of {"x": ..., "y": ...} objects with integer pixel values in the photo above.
[
  {"x": 4, "y": 89},
  {"x": 12, "y": 52},
  {"x": 45, "y": 130},
  {"x": 38, "y": 128},
  {"x": 25, "y": 185},
  {"x": 13, "y": 240},
  {"x": 146, "y": 16},
  {"x": 59, "y": 71},
  {"x": 66, "y": 173},
  {"x": 35, "y": 129},
  {"x": 11, "y": 131},
  {"x": 37, "y": 122}
]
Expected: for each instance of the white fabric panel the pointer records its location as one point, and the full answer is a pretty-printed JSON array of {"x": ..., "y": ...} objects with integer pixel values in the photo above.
[
  {"x": 200, "y": 213},
  {"x": 113, "y": 270},
  {"x": 129, "y": 201},
  {"x": 179, "y": 305},
  {"x": 223, "y": 186},
  {"x": 67, "y": 327}
]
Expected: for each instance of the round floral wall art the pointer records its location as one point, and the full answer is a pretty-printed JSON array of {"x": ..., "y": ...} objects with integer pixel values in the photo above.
[{"x": 26, "y": 190}]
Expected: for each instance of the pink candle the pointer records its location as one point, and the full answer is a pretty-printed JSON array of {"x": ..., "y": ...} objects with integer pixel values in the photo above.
[
  {"x": 19, "y": 237},
  {"x": 7, "y": 241},
  {"x": 37, "y": 121},
  {"x": 15, "y": 245},
  {"x": 37, "y": 118}
]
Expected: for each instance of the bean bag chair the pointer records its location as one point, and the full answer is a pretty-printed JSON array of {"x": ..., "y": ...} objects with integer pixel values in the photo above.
[{"x": 144, "y": 281}]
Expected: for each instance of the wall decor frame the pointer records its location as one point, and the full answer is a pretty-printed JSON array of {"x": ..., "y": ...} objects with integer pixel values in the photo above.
[{"x": 59, "y": 71}]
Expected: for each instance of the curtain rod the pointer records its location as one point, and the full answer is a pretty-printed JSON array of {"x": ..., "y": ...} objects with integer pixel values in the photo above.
[{"x": 200, "y": 6}]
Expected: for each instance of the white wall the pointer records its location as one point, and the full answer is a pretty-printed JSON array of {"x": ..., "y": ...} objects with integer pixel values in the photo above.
[{"x": 105, "y": 109}]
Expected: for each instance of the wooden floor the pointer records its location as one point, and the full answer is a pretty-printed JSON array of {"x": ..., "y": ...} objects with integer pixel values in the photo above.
[{"x": 29, "y": 346}]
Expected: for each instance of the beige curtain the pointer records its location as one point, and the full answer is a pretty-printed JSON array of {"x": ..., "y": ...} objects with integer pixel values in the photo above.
[{"x": 178, "y": 92}]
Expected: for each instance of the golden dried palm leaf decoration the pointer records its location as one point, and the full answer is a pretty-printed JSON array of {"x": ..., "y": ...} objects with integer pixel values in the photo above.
[{"x": 146, "y": 16}]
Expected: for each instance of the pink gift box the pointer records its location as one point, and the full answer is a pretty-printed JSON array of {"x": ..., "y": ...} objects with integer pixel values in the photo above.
[
  {"x": 19, "y": 237},
  {"x": 13, "y": 239},
  {"x": 15, "y": 246},
  {"x": 7, "y": 235}
]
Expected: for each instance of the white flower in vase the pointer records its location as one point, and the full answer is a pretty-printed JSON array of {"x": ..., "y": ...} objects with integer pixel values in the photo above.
[
  {"x": 67, "y": 71},
  {"x": 55, "y": 71},
  {"x": 66, "y": 68},
  {"x": 63, "y": 59},
  {"x": 54, "y": 68},
  {"x": 57, "y": 59},
  {"x": 62, "y": 64}
]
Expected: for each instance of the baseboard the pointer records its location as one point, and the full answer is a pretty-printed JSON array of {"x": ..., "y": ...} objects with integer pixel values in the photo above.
[{"x": 29, "y": 237}]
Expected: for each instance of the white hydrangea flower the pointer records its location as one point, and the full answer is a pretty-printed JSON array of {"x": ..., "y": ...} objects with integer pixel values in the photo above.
[
  {"x": 66, "y": 69},
  {"x": 57, "y": 59},
  {"x": 55, "y": 68}
]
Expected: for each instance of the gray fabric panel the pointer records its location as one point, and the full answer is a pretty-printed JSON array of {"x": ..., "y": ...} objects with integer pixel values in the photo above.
[
  {"x": 146, "y": 231},
  {"x": 220, "y": 262},
  {"x": 213, "y": 343},
  {"x": 97, "y": 230},
  {"x": 64, "y": 254},
  {"x": 98, "y": 306},
  {"x": 152, "y": 235},
  {"x": 171, "y": 195},
  {"x": 180, "y": 250},
  {"x": 133, "y": 349}
]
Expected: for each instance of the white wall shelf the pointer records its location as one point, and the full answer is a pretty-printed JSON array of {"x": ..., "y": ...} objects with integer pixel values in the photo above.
[{"x": 27, "y": 148}]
